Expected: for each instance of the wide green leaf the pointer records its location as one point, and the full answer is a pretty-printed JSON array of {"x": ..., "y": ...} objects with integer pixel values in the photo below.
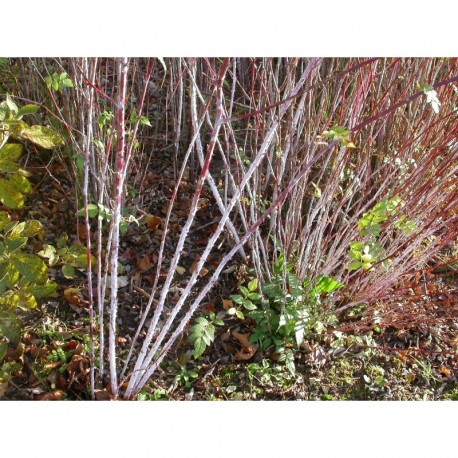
[
  {"x": 31, "y": 228},
  {"x": 15, "y": 243},
  {"x": 68, "y": 271},
  {"x": 9, "y": 195},
  {"x": 326, "y": 285},
  {"x": 31, "y": 267},
  {"x": 4, "y": 220},
  {"x": 21, "y": 183},
  {"x": 8, "y": 166},
  {"x": 42, "y": 136},
  {"x": 40, "y": 291},
  {"x": 9, "y": 275},
  {"x": 11, "y": 151}
]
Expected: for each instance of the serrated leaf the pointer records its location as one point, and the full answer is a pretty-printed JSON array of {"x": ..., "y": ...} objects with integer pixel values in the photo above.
[
  {"x": 207, "y": 339},
  {"x": 202, "y": 320},
  {"x": 42, "y": 136},
  {"x": 199, "y": 348}
]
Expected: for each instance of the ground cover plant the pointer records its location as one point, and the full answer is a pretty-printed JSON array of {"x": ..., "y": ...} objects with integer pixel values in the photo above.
[{"x": 275, "y": 228}]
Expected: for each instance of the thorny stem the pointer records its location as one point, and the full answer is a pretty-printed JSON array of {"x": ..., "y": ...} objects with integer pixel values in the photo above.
[{"x": 120, "y": 111}]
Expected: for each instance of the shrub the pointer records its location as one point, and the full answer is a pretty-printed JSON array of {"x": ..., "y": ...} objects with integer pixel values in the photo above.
[{"x": 23, "y": 275}]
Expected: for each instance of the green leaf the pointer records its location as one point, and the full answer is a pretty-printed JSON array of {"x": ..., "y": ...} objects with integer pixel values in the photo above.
[
  {"x": 244, "y": 290},
  {"x": 237, "y": 298},
  {"x": 144, "y": 121},
  {"x": 9, "y": 195},
  {"x": 62, "y": 240},
  {"x": 207, "y": 339},
  {"x": 31, "y": 267},
  {"x": 199, "y": 347},
  {"x": 42, "y": 136},
  {"x": 15, "y": 243},
  {"x": 253, "y": 285},
  {"x": 231, "y": 311},
  {"x": 40, "y": 291},
  {"x": 249, "y": 305},
  {"x": 68, "y": 271},
  {"x": 92, "y": 211},
  {"x": 27, "y": 109},
  {"x": 11, "y": 105},
  {"x": 4, "y": 220},
  {"x": 326, "y": 285},
  {"x": 355, "y": 265},
  {"x": 10, "y": 326},
  {"x": 254, "y": 296},
  {"x": 7, "y": 166},
  {"x": 48, "y": 251},
  {"x": 9, "y": 276},
  {"x": 11, "y": 151},
  {"x": 67, "y": 82},
  {"x": 32, "y": 227},
  {"x": 239, "y": 314},
  {"x": 3, "y": 349},
  {"x": 272, "y": 290},
  {"x": 21, "y": 184}
]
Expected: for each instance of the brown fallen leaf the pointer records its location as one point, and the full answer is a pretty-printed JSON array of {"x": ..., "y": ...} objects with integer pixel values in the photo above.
[
  {"x": 248, "y": 350},
  {"x": 202, "y": 272},
  {"x": 227, "y": 304},
  {"x": 144, "y": 263},
  {"x": 103, "y": 395},
  {"x": 152, "y": 222},
  {"x": 54, "y": 396}
]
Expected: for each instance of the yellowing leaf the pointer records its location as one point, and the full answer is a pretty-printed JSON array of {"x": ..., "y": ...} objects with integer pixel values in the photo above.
[
  {"x": 180, "y": 270},
  {"x": 41, "y": 136}
]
